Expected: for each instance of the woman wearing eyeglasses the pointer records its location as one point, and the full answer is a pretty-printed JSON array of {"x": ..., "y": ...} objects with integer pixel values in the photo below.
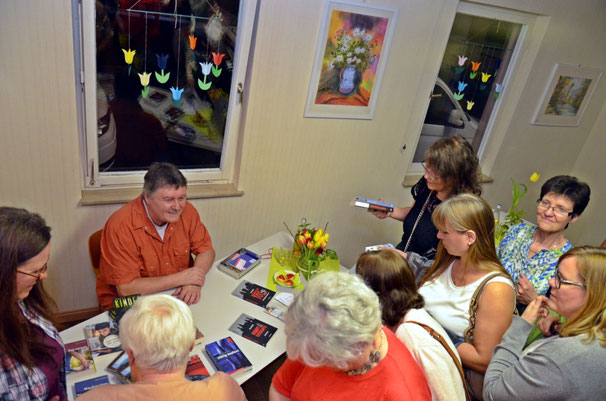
[
  {"x": 570, "y": 364},
  {"x": 530, "y": 253},
  {"x": 31, "y": 351},
  {"x": 451, "y": 168}
]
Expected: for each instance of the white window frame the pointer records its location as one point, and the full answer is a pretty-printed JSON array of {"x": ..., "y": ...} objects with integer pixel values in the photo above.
[
  {"x": 531, "y": 34},
  {"x": 86, "y": 70}
]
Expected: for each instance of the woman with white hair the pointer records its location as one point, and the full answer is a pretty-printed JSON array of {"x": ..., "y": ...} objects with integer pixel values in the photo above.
[
  {"x": 338, "y": 349},
  {"x": 158, "y": 334}
]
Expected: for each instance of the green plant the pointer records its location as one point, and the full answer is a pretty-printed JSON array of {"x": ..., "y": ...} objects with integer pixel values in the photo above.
[{"x": 514, "y": 215}]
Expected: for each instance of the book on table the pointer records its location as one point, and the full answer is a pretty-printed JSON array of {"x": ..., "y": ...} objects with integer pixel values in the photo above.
[
  {"x": 120, "y": 366},
  {"x": 253, "y": 293},
  {"x": 103, "y": 338},
  {"x": 227, "y": 357},
  {"x": 83, "y": 386},
  {"x": 239, "y": 263},
  {"x": 78, "y": 357},
  {"x": 195, "y": 370},
  {"x": 253, "y": 329},
  {"x": 121, "y": 305}
]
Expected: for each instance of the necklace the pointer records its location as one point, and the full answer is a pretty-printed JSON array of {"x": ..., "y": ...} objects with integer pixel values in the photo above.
[
  {"x": 373, "y": 360},
  {"x": 538, "y": 247}
]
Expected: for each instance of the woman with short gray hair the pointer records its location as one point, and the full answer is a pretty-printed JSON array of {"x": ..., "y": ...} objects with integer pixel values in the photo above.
[
  {"x": 338, "y": 349},
  {"x": 158, "y": 334}
]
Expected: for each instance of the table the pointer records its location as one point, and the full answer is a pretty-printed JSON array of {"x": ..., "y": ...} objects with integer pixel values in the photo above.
[{"x": 213, "y": 314}]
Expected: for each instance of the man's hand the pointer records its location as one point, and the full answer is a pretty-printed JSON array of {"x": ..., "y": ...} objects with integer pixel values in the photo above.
[
  {"x": 525, "y": 291},
  {"x": 193, "y": 276},
  {"x": 190, "y": 294}
]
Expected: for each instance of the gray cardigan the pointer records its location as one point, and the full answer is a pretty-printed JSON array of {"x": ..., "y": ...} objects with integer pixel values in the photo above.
[{"x": 559, "y": 368}]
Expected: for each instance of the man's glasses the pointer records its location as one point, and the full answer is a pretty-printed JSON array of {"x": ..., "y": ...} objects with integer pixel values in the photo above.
[
  {"x": 37, "y": 274},
  {"x": 431, "y": 175},
  {"x": 557, "y": 210},
  {"x": 559, "y": 281}
]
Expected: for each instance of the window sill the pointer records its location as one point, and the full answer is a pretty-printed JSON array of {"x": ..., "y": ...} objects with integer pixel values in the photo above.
[
  {"x": 412, "y": 178},
  {"x": 108, "y": 196}
]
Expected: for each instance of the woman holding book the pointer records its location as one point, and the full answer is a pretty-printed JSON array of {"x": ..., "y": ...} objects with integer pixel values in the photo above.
[
  {"x": 568, "y": 365},
  {"x": 338, "y": 350},
  {"x": 451, "y": 167},
  {"x": 31, "y": 351}
]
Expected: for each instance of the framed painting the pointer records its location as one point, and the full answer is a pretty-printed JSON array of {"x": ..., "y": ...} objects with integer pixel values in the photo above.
[
  {"x": 350, "y": 59},
  {"x": 567, "y": 95}
]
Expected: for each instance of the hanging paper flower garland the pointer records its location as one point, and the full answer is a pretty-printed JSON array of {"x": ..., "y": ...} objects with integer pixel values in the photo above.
[
  {"x": 162, "y": 60},
  {"x": 206, "y": 67},
  {"x": 177, "y": 102},
  {"x": 192, "y": 41},
  {"x": 217, "y": 58},
  {"x": 458, "y": 96},
  {"x": 462, "y": 60},
  {"x": 497, "y": 91},
  {"x": 145, "y": 76},
  {"x": 129, "y": 55},
  {"x": 474, "y": 69},
  {"x": 470, "y": 104}
]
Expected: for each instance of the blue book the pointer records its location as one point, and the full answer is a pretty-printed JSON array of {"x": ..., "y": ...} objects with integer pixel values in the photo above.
[
  {"x": 85, "y": 385},
  {"x": 227, "y": 357}
]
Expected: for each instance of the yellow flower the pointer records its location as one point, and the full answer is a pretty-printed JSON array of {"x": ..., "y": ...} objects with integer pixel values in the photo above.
[
  {"x": 144, "y": 78},
  {"x": 310, "y": 245},
  {"x": 129, "y": 55},
  {"x": 535, "y": 177},
  {"x": 307, "y": 234},
  {"x": 301, "y": 239},
  {"x": 325, "y": 238},
  {"x": 318, "y": 235}
]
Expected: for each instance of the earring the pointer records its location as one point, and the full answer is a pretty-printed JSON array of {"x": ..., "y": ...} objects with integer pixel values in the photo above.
[{"x": 469, "y": 244}]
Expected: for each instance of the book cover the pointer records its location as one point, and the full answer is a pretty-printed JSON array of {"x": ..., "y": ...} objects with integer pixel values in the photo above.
[
  {"x": 85, "y": 385},
  {"x": 227, "y": 357},
  {"x": 102, "y": 338},
  {"x": 121, "y": 305},
  {"x": 239, "y": 263},
  {"x": 276, "y": 310},
  {"x": 120, "y": 366},
  {"x": 78, "y": 357},
  {"x": 253, "y": 329},
  {"x": 253, "y": 293},
  {"x": 195, "y": 370}
]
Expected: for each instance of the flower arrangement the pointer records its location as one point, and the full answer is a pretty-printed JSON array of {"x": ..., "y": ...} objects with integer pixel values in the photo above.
[
  {"x": 514, "y": 216},
  {"x": 353, "y": 49},
  {"x": 311, "y": 243}
]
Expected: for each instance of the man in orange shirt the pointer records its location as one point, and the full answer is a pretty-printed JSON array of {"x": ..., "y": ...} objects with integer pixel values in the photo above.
[{"x": 146, "y": 244}]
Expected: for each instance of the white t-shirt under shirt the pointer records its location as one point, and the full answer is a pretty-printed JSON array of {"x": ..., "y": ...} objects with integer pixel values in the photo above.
[
  {"x": 442, "y": 375},
  {"x": 448, "y": 303}
]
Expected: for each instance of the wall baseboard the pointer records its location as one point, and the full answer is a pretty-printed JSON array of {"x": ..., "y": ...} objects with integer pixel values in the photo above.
[{"x": 70, "y": 318}]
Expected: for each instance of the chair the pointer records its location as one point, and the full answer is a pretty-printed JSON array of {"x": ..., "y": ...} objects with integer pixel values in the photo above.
[{"x": 94, "y": 250}]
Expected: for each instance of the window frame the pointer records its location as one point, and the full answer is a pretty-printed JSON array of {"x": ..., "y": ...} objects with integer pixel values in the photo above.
[
  {"x": 531, "y": 32},
  {"x": 86, "y": 79}
]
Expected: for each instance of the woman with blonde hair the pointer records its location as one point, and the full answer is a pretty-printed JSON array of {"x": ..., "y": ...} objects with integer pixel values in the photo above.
[
  {"x": 466, "y": 289},
  {"x": 566, "y": 366}
]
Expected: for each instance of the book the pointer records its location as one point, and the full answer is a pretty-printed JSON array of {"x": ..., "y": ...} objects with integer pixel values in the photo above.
[
  {"x": 253, "y": 293},
  {"x": 120, "y": 366},
  {"x": 121, "y": 305},
  {"x": 102, "y": 338},
  {"x": 253, "y": 329},
  {"x": 195, "y": 370},
  {"x": 372, "y": 204},
  {"x": 83, "y": 386},
  {"x": 239, "y": 263},
  {"x": 78, "y": 357},
  {"x": 276, "y": 309},
  {"x": 199, "y": 337},
  {"x": 227, "y": 357}
]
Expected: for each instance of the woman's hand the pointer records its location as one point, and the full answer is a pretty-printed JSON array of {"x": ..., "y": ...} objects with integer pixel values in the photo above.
[
  {"x": 549, "y": 325},
  {"x": 399, "y": 213},
  {"x": 378, "y": 214},
  {"x": 535, "y": 310},
  {"x": 525, "y": 292}
]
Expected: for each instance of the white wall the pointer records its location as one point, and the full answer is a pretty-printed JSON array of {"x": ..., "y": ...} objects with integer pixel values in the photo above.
[{"x": 291, "y": 167}]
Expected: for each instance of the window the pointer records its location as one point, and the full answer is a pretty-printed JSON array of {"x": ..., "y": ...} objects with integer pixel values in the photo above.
[
  {"x": 480, "y": 54},
  {"x": 161, "y": 81}
]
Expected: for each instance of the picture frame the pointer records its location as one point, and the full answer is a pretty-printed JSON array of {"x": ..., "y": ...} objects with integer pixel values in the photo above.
[
  {"x": 567, "y": 95},
  {"x": 350, "y": 59}
]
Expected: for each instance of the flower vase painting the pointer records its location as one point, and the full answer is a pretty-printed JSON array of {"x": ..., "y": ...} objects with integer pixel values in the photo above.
[{"x": 350, "y": 59}]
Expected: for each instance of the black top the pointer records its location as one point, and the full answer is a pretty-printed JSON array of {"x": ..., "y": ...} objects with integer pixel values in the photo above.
[{"x": 424, "y": 240}]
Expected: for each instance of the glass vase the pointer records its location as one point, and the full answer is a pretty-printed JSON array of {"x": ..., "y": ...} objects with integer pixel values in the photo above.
[{"x": 308, "y": 267}]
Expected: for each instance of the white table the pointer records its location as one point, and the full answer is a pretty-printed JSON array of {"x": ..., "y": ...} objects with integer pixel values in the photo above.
[{"x": 214, "y": 313}]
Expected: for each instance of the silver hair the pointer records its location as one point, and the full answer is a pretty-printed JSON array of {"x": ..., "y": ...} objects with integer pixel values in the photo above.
[
  {"x": 332, "y": 321},
  {"x": 160, "y": 331}
]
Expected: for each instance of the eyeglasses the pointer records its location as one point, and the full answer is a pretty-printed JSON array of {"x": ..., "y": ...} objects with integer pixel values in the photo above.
[
  {"x": 431, "y": 175},
  {"x": 37, "y": 274},
  {"x": 559, "y": 281},
  {"x": 557, "y": 210}
]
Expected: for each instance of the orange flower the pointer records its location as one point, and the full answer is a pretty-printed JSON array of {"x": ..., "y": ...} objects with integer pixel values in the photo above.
[
  {"x": 217, "y": 58},
  {"x": 192, "y": 42},
  {"x": 475, "y": 65}
]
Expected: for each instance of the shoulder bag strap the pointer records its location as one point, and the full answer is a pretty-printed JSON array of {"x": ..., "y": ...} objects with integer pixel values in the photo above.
[
  {"x": 417, "y": 222},
  {"x": 456, "y": 360},
  {"x": 473, "y": 304}
]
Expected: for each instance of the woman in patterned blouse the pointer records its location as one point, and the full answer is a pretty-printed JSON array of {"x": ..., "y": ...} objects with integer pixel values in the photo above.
[{"x": 530, "y": 253}]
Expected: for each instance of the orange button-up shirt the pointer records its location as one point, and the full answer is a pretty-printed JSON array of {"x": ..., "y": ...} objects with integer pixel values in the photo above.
[{"x": 131, "y": 248}]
